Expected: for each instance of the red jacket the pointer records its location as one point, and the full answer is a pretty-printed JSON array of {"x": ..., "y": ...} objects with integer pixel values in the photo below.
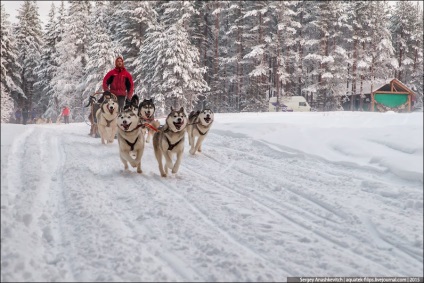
[
  {"x": 119, "y": 81},
  {"x": 66, "y": 111}
]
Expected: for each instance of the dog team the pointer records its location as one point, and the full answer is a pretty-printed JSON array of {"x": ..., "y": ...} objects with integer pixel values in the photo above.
[
  {"x": 119, "y": 112},
  {"x": 137, "y": 120}
]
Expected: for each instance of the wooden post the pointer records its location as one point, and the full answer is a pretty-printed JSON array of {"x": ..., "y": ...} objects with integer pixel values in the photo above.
[
  {"x": 372, "y": 102},
  {"x": 409, "y": 103}
]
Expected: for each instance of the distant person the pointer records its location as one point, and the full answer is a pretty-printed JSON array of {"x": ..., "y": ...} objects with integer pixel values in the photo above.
[
  {"x": 119, "y": 82},
  {"x": 24, "y": 115},
  {"x": 65, "y": 113},
  {"x": 18, "y": 116},
  {"x": 33, "y": 115}
]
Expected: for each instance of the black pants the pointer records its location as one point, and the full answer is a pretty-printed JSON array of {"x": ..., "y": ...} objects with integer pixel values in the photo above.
[
  {"x": 66, "y": 119},
  {"x": 121, "y": 102}
]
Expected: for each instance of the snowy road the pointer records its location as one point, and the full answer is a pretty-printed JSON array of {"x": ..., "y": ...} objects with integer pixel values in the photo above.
[{"x": 243, "y": 210}]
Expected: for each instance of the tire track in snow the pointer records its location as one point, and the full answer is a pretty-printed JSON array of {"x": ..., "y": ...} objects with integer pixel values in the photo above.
[
  {"x": 157, "y": 180},
  {"x": 86, "y": 213},
  {"x": 169, "y": 258},
  {"x": 215, "y": 225},
  {"x": 290, "y": 183},
  {"x": 298, "y": 223},
  {"x": 32, "y": 210}
]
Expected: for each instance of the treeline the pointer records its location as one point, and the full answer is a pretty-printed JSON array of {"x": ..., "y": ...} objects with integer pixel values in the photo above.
[{"x": 228, "y": 55}]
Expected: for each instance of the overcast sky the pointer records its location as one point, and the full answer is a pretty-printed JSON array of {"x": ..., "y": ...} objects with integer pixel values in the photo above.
[
  {"x": 12, "y": 8},
  {"x": 44, "y": 8}
]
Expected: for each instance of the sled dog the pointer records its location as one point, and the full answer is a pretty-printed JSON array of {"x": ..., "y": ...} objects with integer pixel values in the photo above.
[
  {"x": 106, "y": 119},
  {"x": 40, "y": 121},
  {"x": 94, "y": 106},
  {"x": 199, "y": 124},
  {"x": 132, "y": 105},
  {"x": 169, "y": 140},
  {"x": 146, "y": 112},
  {"x": 130, "y": 139}
]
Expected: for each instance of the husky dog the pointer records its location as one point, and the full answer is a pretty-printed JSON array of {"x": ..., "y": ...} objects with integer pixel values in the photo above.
[
  {"x": 170, "y": 140},
  {"x": 199, "y": 125},
  {"x": 132, "y": 105},
  {"x": 94, "y": 106},
  {"x": 130, "y": 139},
  {"x": 40, "y": 121},
  {"x": 146, "y": 112},
  {"x": 106, "y": 119}
]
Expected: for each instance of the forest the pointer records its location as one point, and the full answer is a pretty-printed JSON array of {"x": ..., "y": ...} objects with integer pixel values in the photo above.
[{"x": 230, "y": 56}]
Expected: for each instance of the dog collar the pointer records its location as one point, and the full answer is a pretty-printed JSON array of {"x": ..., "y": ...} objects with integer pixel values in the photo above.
[{"x": 148, "y": 119}]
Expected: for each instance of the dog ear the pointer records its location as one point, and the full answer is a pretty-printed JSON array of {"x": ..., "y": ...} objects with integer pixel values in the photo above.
[
  {"x": 152, "y": 99},
  {"x": 182, "y": 109},
  {"x": 135, "y": 100},
  {"x": 172, "y": 109}
]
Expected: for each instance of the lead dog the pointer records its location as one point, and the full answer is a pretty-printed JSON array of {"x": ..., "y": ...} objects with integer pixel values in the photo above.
[
  {"x": 106, "y": 119},
  {"x": 169, "y": 140},
  {"x": 130, "y": 139},
  {"x": 146, "y": 112},
  {"x": 199, "y": 125}
]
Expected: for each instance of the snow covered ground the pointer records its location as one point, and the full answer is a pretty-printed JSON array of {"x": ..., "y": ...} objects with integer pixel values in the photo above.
[{"x": 272, "y": 195}]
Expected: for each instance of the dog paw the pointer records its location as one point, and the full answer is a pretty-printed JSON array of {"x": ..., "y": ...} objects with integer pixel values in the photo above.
[
  {"x": 199, "y": 150},
  {"x": 192, "y": 151},
  {"x": 163, "y": 174},
  {"x": 174, "y": 171},
  {"x": 139, "y": 170}
]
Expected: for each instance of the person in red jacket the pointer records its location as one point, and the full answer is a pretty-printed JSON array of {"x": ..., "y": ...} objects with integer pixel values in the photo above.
[
  {"x": 119, "y": 82},
  {"x": 65, "y": 113}
]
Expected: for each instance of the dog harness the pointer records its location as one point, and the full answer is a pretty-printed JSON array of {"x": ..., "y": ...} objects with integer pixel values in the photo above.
[
  {"x": 170, "y": 145},
  {"x": 132, "y": 144},
  {"x": 200, "y": 132},
  {"x": 108, "y": 122}
]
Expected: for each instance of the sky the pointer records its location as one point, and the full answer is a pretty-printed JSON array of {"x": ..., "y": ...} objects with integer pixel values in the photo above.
[
  {"x": 12, "y": 8},
  {"x": 44, "y": 8},
  {"x": 271, "y": 195}
]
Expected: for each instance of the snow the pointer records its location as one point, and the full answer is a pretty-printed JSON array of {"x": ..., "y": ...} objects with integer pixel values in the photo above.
[{"x": 272, "y": 195}]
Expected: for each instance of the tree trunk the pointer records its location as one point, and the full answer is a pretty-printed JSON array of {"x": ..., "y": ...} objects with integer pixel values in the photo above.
[
  {"x": 399, "y": 74},
  {"x": 300, "y": 50},
  {"x": 355, "y": 61}
]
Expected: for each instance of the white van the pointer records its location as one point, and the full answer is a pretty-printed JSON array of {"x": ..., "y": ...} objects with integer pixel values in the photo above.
[{"x": 289, "y": 104}]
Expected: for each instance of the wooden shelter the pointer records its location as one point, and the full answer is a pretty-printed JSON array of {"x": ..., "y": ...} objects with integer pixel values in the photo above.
[{"x": 393, "y": 96}]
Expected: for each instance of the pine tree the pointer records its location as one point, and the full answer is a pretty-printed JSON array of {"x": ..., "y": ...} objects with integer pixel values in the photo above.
[
  {"x": 417, "y": 73},
  {"x": 48, "y": 66},
  {"x": 10, "y": 67},
  {"x": 69, "y": 80},
  {"x": 7, "y": 83},
  {"x": 135, "y": 18},
  {"x": 102, "y": 51},
  {"x": 176, "y": 77},
  {"x": 383, "y": 63},
  {"x": 29, "y": 43},
  {"x": 407, "y": 33}
]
